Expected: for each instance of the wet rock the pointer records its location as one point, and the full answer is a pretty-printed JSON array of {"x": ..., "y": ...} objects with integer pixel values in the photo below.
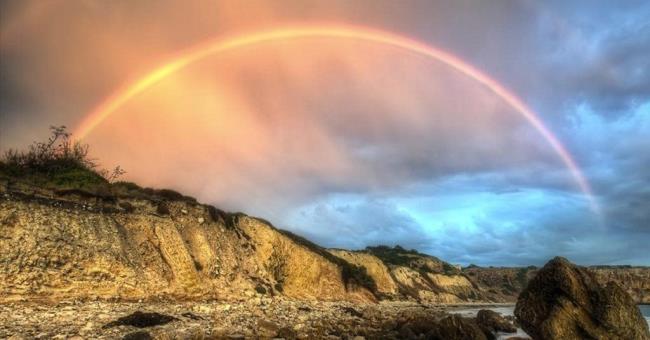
[
  {"x": 455, "y": 327},
  {"x": 492, "y": 322},
  {"x": 565, "y": 301},
  {"x": 142, "y": 320}
]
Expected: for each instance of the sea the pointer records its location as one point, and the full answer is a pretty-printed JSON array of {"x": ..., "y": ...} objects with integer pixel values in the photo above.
[{"x": 509, "y": 310}]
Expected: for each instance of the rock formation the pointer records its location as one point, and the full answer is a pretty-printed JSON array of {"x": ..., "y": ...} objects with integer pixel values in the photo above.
[
  {"x": 455, "y": 327},
  {"x": 565, "y": 301},
  {"x": 59, "y": 246},
  {"x": 492, "y": 322}
]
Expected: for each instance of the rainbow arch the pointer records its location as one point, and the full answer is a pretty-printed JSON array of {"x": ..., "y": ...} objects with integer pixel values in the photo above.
[{"x": 179, "y": 61}]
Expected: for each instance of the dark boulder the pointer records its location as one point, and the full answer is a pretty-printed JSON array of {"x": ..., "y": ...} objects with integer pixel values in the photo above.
[
  {"x": 455, "y": 327},
  {"x": 492, "y": 322},
  {"x": 141, "y": 320},
  {"x": 564, "y": 301}
]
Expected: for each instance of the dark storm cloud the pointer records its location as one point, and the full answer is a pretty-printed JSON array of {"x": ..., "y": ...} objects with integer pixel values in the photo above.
[{"x": 606, "y": 66}]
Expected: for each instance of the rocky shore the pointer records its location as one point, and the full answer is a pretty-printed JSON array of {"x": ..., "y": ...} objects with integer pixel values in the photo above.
[{"x": 258, "y": 317}]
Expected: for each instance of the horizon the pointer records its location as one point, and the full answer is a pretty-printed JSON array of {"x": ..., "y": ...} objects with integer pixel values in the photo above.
[{"x": 497, "y": 134}]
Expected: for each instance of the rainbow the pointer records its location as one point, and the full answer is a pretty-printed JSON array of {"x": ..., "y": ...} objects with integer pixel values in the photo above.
[{"x": 179, "y": 61}]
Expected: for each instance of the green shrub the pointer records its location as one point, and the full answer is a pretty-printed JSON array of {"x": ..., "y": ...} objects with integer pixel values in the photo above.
[{"x": 58, "y": 163}]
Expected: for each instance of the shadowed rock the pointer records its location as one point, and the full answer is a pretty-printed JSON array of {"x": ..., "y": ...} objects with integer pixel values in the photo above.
[
  {"x": 492, "y": 322},
  {"x": 564, "y": 301},
  {"x": 141, "y": 320},
  {"x": 455, "y": 327}
]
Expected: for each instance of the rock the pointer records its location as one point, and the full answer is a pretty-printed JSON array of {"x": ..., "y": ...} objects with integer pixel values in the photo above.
[
  {"x": 492, "y": 322},
  {"x": 352, "y": 312},
  {"x": 268, "y": 329},
  {"x": 287, "y": 333},
  {"x": 565, "y": 301},
  {"x": 455, "y": 327},
  {"x": 139, "y": 335},
  {"x": 192, "y": 316},
  {"x": 142, "y": 320},
  {"x": 405, "y": 332},
  {"x": 260, "y": 289}
]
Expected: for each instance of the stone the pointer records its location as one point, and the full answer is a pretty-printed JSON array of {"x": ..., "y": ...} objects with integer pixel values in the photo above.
[
  {"x": 287, "y": 333},
  {"x": 565, "y": 301},
  {"x": 266, "y": 328},
  {"x": 139, "y": 335},
  {"x": 141, "y": 320},
  {"x": 455, "y": 327},
  {"x": 492, "y": 322}
]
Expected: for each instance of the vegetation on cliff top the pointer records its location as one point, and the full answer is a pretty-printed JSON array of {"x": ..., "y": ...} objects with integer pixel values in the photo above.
[
  {"x": 63, "y": 165},
  {"x": 399, "y": 256}
]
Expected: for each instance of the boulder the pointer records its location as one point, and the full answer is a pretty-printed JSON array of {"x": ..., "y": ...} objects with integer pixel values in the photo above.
[
  {"x": 565, "y": 301},
  {"x": 141, "y": 320},
  {"x": 455, "y": 327},
  {"x": 492, "y": 322}
]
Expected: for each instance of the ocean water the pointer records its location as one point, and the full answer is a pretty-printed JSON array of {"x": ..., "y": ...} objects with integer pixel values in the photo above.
[
  {"x": 509, "y": 310},
  {"x": 645, "y": 310}
]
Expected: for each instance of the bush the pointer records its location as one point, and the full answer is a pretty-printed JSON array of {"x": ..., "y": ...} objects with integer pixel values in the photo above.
[{"x": 57, "y": 163}]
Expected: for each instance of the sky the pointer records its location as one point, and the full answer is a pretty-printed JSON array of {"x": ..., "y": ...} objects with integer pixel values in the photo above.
[{"x": 354, "y": 143}]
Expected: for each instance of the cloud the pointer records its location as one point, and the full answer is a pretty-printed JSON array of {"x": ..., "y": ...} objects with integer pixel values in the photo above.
[
  {"x": 355, "y": 222},
  {"x": 353, "y": 143}
]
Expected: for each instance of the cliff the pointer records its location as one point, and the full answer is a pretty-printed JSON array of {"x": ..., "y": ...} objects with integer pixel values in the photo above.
[
  {"x": 130, "y": 243},
  {"x": 143, "y": 244}
]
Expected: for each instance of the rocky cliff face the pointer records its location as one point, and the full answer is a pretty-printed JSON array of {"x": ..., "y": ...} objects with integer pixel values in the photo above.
[
  {"x": 63, "y": 245},
  {"x": 634, "y": 280}
]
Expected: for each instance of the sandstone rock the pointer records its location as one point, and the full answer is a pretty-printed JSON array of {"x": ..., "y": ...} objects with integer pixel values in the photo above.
[
  {"x": 491, "y": 322},
  {"x": 565, "y": 301},
  {"x": 455, "y": 327}
]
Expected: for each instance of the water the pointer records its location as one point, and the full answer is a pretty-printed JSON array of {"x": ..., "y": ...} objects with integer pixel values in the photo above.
[
  {"x": 503, "y": 310},
  {"x": 509, "y": 310},
  {"x": 645, "y": 310}
]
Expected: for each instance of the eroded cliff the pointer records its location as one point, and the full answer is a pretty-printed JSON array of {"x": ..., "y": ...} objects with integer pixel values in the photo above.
[{"x": 62, "y": 245}]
